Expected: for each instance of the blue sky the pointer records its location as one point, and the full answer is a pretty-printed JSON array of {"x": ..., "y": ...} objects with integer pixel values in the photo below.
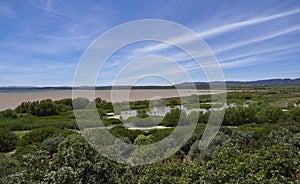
[{"x": 41, "y": 42}]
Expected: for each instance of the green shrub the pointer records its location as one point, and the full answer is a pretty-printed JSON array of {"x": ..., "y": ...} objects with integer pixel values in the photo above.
[
  {"x": 45, "y": 108},
  {"x": 65, "y": 102},
  {"x": 145, "y": 122},
  {"x": 51, "y": 144},
  {"x": 270, "y": 115},
  {"x": 235, "y": 116},
  {"x": 217, "y": 143},
  {"x": 295, "y": 114},
  {"x": 8, "y": 140},
  {"x": 121, "y": 132},
  {"x": 174, "y": 117},
  {"x": 8, "y": 165},
  {"x": 9, "y": 113},
  {"x": 142, "y": 139},
  {"x": 111, "y": 121},
  {"x": 80, "y": 103},
  {"x": 37, "y": 136}
]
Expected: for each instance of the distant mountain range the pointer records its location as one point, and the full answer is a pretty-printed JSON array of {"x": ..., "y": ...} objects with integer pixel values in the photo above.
[
  {"x": 286, "y": 81},
  {"x": 267, "y": 82}
]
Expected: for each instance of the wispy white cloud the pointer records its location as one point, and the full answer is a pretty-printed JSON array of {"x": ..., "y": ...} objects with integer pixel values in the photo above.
[
  {"x": 260, "y": 38},
  {"x": 237, "y": 25},
  {"x": 261, "y": 51},
  {"x": 160, "y": 47}
]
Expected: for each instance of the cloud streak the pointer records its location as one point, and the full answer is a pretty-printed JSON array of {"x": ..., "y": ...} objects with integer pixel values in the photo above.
[{"x": 237, "y": 25}]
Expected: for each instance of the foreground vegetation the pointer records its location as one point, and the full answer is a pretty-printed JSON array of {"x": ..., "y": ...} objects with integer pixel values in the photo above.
[{"x": 258, "y": 143}]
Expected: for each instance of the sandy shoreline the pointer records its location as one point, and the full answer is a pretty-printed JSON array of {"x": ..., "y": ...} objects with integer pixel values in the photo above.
[{"x": 11, "y": 99}]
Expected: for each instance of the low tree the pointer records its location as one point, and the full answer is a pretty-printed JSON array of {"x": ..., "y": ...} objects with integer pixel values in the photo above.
[
  {"x": 295, "y": 114},
  {"x": 175, "y": 117},
  {"x": 80, "y": 103},
  {"x": 9, "y": 114},
  {"x": 8, "y": 140},
  {"x": 142, "y": 139},
  {"x": 51, "y": 144}
]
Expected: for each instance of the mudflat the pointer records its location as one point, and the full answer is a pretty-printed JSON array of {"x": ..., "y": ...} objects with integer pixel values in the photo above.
[{"x": 10, "y": 99}]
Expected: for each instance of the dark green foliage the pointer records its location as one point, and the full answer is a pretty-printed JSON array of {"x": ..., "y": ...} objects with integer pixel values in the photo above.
[
  {"x": 159, "y": 134},
  {"x": 295, "y": 114},
  {"x": 8, "y": 165},
  {"x": 247, "y": 140},
  {"x": 23, "y": 107},
  {"x": 8, "y": 140},
  {"x": 37, "y": 136},
  {"x": 66, "y": 102},
  {"x": 80, "y": 103},
  {"x": 142, "y": 139},
  {"x": 205, "y": 106},
  {"x": 173, "y": 102},
  {"x": 235, "y": 116},
  {"x": 102, "y": 104},
  {"x": 270, "y": 115},
  {"x": 142, "y": 104},
  {"x": 142, "y": 113},
  {"x": 243, "y": 96},
  {"x": 197, "y": 134},
  {"x": 111, "y": 121},
  {"x": 51, "y": 144},
  {"x": 121, "y": 132},
  {"x": 81, "y": 162},
  {"x": 218, "y": 142},
  {"x": 200, "y": 117},
  {"x": 146, "y": 122},
  {"x": 278, "y": 163},
  {"x": 9, "y": 113},
  {"x": 45, "y": 107},
  {"x": 33, "y": 168},
  {"x": 29, "y": 122},
  {"x": 176, "y": 116}
]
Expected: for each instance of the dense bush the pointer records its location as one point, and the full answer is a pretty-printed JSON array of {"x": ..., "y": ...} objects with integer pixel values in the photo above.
[
  {"x": 206, "y": 154},
  {"x": 37, "y": 136},
  {"x": 65, "y": 102},
  {"x": 121, "y": 132},
  {"x": 8, "y": 140},
  {"x": 175, "y": 117},
  {"x": 198, "y": 117},
  {"x": 142, "y": 104},
  {"x": 103, "y": 104},
  {"x": 8, "y": 165},
  {"x": 142, "y": 139},
  {"x": 23, "y": 107},
  {"x": 81, "y": 163},
  {"x": 295, "y": 114},
  {"x": 43, "y": 108},
  {"x": 276, "y": 164},
  {"x": 80, "y": 103},
  {"x": 111, "y": 121},
  {"x": 146, "y": 122},
  {"x": 51, "y": 144},
  {"x": 235, "y": 116},
  {"x": 270, "y": 115},
  {"x": 142, "y": 113},
  {"x": 9, "y": 113}
]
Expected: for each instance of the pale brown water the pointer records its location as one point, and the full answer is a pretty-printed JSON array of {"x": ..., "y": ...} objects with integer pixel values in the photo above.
[{"x": 11, "y": 99}]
